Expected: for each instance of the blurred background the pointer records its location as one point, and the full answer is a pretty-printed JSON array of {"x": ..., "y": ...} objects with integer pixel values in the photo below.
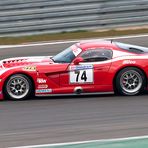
[
  {"x": 31, "y": 17},
  {"x": 71, "y": 118}
]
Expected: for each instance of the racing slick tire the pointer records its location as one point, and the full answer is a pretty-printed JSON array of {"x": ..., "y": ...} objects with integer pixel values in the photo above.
[
  {"x": 130, "y": 81},
  {"x": 18, "y": 87}
]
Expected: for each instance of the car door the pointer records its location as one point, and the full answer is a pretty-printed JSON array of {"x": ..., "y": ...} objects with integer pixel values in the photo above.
[{"x": 92, "y": 71}]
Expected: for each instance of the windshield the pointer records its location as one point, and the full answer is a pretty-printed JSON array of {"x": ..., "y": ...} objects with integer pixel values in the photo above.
[{"x": 66, "y": 56}]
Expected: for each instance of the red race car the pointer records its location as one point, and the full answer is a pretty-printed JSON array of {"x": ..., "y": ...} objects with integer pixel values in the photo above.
[{"x": 86, "y": 67}]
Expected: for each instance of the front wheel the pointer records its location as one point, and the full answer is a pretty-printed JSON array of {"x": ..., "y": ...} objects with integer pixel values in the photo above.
[
  {"x": 130, "y": 81},
  {"x": 18, "y": 87}
]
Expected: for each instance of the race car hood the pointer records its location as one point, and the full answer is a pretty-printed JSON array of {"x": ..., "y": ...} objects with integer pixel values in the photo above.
[{"x": 22, "y": 61}]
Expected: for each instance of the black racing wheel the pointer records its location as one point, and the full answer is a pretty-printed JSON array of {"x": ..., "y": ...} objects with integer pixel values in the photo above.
[
  {"x": 130, "y": 81},
  {"x": 18, "y": 87}
]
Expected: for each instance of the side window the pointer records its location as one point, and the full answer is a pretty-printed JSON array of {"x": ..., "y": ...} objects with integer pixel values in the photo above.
[{"x": 95, "y": 55}]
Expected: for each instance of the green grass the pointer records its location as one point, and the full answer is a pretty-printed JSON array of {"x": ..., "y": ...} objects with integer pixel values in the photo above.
[{"x": 68, "y": 35}]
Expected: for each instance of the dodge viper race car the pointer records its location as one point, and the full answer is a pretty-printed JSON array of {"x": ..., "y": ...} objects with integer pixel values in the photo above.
[{"x": 85, "y": 67}]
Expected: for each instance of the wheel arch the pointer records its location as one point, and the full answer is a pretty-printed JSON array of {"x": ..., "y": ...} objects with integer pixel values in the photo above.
[{"x": 114, "y": 78}]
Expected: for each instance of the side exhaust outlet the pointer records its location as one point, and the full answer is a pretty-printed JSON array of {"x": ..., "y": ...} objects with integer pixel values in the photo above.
[{"x": 78, "y": 90}]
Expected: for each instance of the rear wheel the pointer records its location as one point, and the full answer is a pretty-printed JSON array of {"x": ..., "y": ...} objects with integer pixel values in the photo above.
[
  {"x": 130, "y": 81},
  {"x": 18, "y": 87}
]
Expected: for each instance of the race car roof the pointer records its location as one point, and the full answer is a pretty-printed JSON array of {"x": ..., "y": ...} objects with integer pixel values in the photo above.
[
  {"x": 94, "y": 43},
  {"x": 109, "y": 43}
]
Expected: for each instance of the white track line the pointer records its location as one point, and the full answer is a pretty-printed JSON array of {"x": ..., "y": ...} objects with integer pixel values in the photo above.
[
  {"x": 84, "y": 142},
  {"x": 70, "y": 41}
]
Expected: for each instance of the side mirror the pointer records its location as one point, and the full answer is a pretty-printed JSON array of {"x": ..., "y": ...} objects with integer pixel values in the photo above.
[{"x": 78, "y": 60}]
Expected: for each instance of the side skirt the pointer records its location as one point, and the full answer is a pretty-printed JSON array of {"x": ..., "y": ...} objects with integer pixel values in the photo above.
[{"x": 73, "y": 94}]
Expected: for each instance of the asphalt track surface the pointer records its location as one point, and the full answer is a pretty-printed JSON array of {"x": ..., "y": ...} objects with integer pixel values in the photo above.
[{"x": 70, "y": 118}]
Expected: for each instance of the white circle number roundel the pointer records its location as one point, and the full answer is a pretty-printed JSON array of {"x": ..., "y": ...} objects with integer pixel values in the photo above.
[{"x": 81, "y": 74}]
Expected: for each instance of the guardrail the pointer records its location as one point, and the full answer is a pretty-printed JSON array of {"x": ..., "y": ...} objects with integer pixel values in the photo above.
[{"x": 19, "y": 17}]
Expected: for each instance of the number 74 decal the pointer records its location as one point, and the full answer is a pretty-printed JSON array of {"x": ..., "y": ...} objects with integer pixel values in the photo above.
[{"x": 81, "y": 74}]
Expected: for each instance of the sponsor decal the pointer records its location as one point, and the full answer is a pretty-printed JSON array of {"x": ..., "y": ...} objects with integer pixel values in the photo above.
[
  {"x": 43, "y": 90},
  {"x": 76, "y": 51},
  {"x": 43, "y": 86},
  {"x": 129, "y": 62},
  {"x": 41, "y": 80},
  {"x": 30, "y": 68},
  {"x": 81, "y": 67}
]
